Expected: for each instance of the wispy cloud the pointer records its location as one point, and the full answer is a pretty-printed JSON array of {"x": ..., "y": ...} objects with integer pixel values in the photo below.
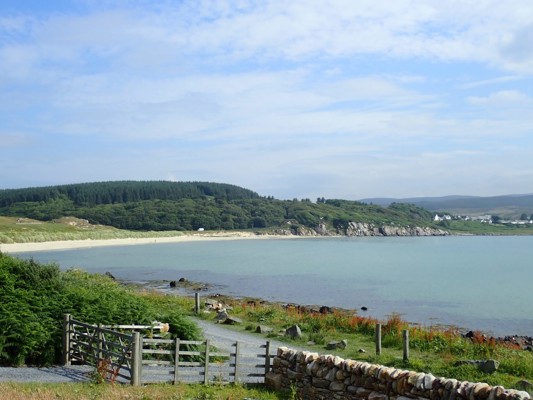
[{"x": 336, "y": 98}]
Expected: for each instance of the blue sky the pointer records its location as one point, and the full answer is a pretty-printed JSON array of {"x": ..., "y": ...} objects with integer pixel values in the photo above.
[{"x": 300, "y": 99}]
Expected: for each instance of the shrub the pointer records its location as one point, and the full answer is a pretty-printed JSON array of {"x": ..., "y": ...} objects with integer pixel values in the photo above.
[{"x": 34, "y": 298}]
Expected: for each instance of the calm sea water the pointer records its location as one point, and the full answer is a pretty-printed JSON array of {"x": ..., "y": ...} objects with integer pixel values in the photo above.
[{"x": 478, "y": 282}]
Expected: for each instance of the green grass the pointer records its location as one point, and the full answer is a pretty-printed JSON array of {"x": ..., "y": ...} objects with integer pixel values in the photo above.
[
  {"x": 29, "y": 231},
  {"x": 478, "y": 228},
  {"x": 432, "y": 350},
  {"x": 79, "y": 391}
]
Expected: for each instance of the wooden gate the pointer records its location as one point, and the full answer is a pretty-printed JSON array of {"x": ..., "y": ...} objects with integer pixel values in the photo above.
[
  {"x": 203, "y": 361},
  {"x": 114, "y": 355},
  {"x": 129, "y": 357}
]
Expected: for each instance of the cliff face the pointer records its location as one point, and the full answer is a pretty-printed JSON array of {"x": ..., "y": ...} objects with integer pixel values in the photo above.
[{"x": 364, "y": 229}]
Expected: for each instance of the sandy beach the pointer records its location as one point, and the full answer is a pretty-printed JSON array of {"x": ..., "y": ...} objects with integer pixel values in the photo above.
[{"x": 78, "y": 244}]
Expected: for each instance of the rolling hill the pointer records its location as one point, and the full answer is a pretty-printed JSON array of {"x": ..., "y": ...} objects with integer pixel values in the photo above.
[{"x": 505, "y": 206}]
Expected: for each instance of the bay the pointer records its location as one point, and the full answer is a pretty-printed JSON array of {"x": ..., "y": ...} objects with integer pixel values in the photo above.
[{"x": 472, "y": 282}]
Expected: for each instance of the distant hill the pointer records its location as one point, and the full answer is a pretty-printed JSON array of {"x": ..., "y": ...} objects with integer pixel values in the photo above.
[
  {"x": 160, "y": 205},
  {"x": 507, "y": 206},
  {"x": 114, "y": 192}
]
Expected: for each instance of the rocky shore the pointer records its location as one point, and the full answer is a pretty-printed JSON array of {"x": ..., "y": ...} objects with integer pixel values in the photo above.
[
  {"x": 184, "y": 287},
  {"x": 353, "y": 229}
]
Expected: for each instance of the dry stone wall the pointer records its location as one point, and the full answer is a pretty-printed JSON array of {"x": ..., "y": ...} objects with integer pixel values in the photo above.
[{"x": 329, "y": 377}]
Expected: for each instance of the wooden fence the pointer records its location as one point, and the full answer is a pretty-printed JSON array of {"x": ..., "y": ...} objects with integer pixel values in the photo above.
[
  {"x": 127, "y": 356},
  {"x": 203, "y": 361}
]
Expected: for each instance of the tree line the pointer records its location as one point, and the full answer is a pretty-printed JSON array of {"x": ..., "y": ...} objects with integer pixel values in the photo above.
[{"x": 188, "y": 206}]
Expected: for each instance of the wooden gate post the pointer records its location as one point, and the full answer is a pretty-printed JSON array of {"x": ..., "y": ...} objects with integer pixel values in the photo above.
[
  {"x": 67, "y": 336},
  {"x": 136, "y": 359},
  {"x": 378, "y": 339},
  {"x": 236, "y": 368},
  {"x": 176, "y": 361},
  {"x": 267, "y": 357},
  {"x": 206, "y": 363},
  {"x": 197, "y": 303},
  {"x": 100, "y": 343},
  {"x": 405, "y": 341}
]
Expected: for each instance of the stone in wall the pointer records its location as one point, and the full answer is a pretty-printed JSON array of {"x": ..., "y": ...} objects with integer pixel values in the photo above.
[{"x": 331, "y": 377}]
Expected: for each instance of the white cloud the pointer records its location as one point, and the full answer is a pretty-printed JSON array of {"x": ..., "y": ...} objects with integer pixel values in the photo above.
[
  {"x": 502, "y": 98},
  {"x": 485, "y": 31},
  {"x": 353, "y": 94}
]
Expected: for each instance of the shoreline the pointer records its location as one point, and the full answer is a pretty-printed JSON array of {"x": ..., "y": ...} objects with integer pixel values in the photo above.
[
  {"x": 88, "y": 243},
  {"x": 183, "y": 238},
  {"x": 189, "y": 289}
]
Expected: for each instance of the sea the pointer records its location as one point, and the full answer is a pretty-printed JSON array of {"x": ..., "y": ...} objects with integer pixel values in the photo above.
[{"x": 470, "y": 282}]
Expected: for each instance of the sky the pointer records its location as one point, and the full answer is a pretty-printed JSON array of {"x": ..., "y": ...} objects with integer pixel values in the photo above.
[{"x": 292, "y": 99}]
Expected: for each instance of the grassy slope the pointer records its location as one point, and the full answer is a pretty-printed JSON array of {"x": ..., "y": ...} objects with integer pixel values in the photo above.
[{"x": 15, "y": 230}]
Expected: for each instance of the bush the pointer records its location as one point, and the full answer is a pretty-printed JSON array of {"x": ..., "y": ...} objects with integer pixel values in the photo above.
[{"x": 34, "y": 298}]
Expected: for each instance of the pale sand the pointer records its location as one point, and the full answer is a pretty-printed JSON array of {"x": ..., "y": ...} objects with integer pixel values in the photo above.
[{"x": 77, "y": 244}]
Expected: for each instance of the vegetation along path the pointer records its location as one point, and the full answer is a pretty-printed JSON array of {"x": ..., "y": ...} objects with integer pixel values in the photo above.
[{"x": 222, "y": 337}]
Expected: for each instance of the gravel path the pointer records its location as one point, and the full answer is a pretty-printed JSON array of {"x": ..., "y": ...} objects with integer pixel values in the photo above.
[
  {"x": 221, "y": 337},
  {"x": 71, "y": 373},
  {"x": 224, "y": 337}
]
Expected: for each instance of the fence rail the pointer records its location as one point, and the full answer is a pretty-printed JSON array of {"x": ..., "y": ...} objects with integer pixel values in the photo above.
[{"x": 129, "y": 357}]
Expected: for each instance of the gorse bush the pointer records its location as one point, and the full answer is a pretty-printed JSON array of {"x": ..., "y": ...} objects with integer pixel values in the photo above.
[{"x": 34, "y": 298}]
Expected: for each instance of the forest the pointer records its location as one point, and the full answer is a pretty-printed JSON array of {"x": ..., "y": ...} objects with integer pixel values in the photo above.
[{"x": 186, "y": 206}]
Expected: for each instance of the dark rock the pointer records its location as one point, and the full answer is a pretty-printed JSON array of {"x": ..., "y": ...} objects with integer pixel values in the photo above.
[
  {"x": 273, "y": 381},
  {"x": 110, "y": 275},
  {"x": 364, "y": 308},
  {"x": 232, "y": 320},
  {"x": 183, "y": 280},
  {"x": 221, "y": 316},
  {"x": 172, "y": 283},
  {"x": 293, "y": 332},
  {"x": 325, "y": 310},
  {"x": 487, "y": 366}
]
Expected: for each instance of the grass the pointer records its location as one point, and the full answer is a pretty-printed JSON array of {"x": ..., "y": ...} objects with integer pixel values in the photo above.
[
  {"x": 15, "y": 230},
  {"x": 79, "y": 391},
  {"x": 478, "y": 228},
  {"x": 432, "y": 349}
]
